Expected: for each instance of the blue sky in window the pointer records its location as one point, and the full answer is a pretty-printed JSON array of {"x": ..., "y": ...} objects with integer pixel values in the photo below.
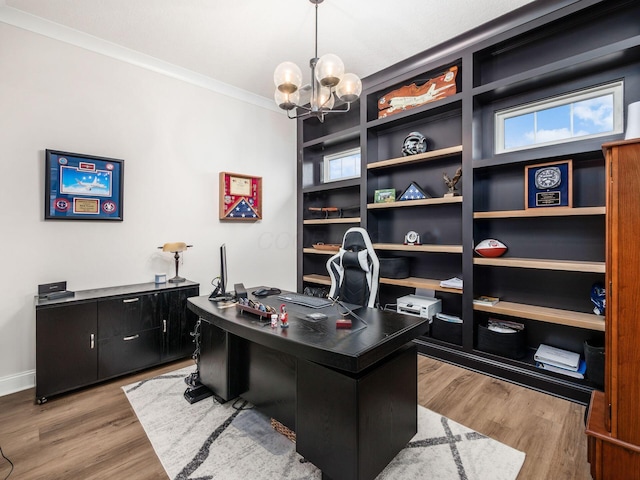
[{"x": 590, "y": 117}]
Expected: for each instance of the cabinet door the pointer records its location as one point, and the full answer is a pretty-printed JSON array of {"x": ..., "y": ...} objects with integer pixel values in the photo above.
[
  {"x": 66, "y": 353},
  {"x": 177, "y": 323},
  {"x": 623, "y": 295}
]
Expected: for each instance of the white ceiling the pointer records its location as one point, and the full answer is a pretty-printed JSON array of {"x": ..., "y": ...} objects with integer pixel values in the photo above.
[{"x": 240, "y": 42}]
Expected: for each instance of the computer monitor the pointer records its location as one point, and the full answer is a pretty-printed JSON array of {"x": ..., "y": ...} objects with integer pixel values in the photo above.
[
  {"x": 223, "y": 270},
  {"x": 219, "y": 294}
]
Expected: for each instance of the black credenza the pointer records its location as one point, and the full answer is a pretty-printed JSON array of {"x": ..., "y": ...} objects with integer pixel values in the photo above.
[{"x": 104, "y": 333}]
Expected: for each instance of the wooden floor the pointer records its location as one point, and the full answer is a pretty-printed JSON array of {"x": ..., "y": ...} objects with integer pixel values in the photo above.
[{"x": 94, "y": 434}]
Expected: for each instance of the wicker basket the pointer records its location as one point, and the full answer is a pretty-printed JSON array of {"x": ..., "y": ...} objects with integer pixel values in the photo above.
[{"x": 280, "y": 428}]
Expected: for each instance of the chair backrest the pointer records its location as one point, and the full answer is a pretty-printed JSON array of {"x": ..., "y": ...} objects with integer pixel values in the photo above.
[{"x": 354, "y": 270}]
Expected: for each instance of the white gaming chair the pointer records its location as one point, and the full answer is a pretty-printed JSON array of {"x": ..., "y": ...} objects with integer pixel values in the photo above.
[{"x": 354, "y": 270}]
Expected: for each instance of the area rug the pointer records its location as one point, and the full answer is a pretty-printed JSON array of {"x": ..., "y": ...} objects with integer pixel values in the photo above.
[{"x": 207, "y": 440}]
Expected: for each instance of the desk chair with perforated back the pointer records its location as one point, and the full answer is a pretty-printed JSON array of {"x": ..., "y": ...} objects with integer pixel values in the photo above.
[{"x": 354, "y": 270}]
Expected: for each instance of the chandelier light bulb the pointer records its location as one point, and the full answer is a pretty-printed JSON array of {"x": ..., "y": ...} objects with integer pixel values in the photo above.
[
  {"x": 287, "y": 77},
  {"x": 286, "y": 101},
  {"x": 349, "y": 88},
  {"x": 329, "y": 70},
  {"x": 324, "y": 99}
]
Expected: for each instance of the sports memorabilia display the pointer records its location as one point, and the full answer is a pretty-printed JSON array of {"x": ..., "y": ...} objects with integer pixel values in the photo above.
[
  {"x": 414, "y": 143},
  {"x": 549, "y": 185},
  {"x": 490, "y": 248}
]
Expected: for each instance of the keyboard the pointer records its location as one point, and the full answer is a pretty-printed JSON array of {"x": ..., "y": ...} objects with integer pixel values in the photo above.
[{"x": 305, "y": 300}]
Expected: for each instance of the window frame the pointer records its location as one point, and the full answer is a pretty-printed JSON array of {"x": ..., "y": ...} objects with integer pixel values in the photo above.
[{"x": 612, "y": 88}]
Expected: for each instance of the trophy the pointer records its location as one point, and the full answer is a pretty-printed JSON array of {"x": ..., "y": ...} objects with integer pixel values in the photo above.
[{"x": 451, "y": 183}]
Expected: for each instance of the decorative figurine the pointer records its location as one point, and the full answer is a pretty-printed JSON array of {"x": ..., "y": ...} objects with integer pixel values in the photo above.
[
  {"x": 284, "y": 316},
  {"x": 451, "y": 183}
]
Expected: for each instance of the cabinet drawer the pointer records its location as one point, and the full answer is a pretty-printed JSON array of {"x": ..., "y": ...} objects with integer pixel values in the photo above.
[
  {"x": 121, "y": 316},
  {"x": 127, "y": 353}
]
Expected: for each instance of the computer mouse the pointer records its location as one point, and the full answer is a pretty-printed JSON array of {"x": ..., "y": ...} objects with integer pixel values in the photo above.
[{"x": 263, "y": 292}]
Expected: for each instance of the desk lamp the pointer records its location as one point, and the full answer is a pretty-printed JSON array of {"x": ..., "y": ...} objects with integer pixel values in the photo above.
[{"x": 175, "y": 248}]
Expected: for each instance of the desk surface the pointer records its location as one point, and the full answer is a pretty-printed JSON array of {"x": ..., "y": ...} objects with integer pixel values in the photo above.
[{"x": 351, "y": 350}]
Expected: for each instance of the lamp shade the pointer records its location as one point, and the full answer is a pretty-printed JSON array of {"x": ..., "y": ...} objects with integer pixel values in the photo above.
[
  {"x": 349, "y": 88},
  {"x": 329, "y": 70},
  {"x": 286, "y": 101},
  {"x": 174, "y": 247},
  {"x": 287, "y": 77},
  {"x": 324, "y": 99}
]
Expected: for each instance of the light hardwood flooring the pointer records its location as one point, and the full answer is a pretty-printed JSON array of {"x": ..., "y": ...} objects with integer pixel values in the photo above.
[{"x": 94, "y": 434}]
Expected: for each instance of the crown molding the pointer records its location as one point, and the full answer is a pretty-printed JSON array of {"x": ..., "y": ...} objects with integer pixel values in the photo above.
[{"x": 35, "y": 24}]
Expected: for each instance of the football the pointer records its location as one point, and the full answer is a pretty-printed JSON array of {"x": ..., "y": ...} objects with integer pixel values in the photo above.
[{"x": 490, "y": 248}]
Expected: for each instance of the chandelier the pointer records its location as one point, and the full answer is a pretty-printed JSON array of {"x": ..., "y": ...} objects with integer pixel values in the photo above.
[{"x": 328, "y": 81}]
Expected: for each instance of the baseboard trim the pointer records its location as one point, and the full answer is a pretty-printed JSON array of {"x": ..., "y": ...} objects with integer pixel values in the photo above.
[{"x": 18, "y": 382}]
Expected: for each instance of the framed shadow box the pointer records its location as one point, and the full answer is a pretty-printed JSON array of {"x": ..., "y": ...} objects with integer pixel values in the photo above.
[
  {"x": 240, "y": 197},
  {"x": 548, "y": 185},
  {"x": 82, "y": 187}
]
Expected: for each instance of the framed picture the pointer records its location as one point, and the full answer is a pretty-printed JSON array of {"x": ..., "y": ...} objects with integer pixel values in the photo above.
[
  {"x": 82, "y": 187},
  {"x": 386, "y": 195},
  {"x": 548, "y": 185},
  {"x": 240, "y": 197}
]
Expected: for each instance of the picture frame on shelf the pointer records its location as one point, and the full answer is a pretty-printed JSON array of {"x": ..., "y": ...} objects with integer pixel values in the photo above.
[
  {"x": 83, "y": 187},
  {"x": 240, "y": 197},
  {"x": 549, "y": 185},
  {"x": 385, "y": 195}
]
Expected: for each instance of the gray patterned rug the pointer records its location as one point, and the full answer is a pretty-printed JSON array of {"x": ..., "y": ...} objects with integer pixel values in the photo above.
[{"x": 207, "y": 441}]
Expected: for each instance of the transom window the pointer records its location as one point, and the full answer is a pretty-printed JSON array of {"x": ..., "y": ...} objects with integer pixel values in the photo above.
[
  {"x": 589, "y": 113},
  {"x": 342, "y": 166}
]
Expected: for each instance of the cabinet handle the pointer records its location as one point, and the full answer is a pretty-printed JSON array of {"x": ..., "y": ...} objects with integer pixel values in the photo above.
[
  {"x": 132, "y": 337},
  {"x": 164, "y": 325},
  {"x": 130, "y": 300},
  {"x": 92, "y": 341}
]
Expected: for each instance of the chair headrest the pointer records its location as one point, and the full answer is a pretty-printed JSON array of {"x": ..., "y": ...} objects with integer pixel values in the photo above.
[
  {"x": 354, "y": 240},
  {"x": 355, "y": 260}
]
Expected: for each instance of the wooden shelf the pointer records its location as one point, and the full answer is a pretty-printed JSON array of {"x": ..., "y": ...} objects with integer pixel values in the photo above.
[
  {"x": 326, "y": 221},
  {"x": 398, "y": 247},
  {"x": 422, "y": 157},
  {"x": 542, "y": 264},
  {"x": 411, "y": 282},
  {"x": 416, "y": 203},
  {"x": 542, "y": 212},
  {"x": 319, "y": 252},
  {"x": 545, "y": 314},
  {"x": 319, "y": 279}
]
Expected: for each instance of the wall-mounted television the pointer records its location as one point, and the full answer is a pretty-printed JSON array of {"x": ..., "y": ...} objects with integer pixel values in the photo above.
[{"x": 82, "y": 187}]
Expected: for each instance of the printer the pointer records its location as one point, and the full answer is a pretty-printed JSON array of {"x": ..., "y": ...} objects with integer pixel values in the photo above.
[{"x": 418, "y": 306}]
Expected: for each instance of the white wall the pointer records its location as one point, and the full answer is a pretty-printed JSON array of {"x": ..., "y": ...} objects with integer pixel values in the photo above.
[{"x": 174, "y": 137}]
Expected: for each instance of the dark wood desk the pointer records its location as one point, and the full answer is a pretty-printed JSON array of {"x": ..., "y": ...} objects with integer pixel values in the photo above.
[{"x": 350, "y": 395}]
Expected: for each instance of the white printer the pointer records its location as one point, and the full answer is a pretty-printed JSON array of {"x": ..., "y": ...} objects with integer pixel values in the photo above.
[{"x": 425, "y": 307}]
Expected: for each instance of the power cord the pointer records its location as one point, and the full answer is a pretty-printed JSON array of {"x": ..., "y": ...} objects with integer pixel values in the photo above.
[
  {"x": 336, "y": 301},
  {"x": 10, "y": 463}
]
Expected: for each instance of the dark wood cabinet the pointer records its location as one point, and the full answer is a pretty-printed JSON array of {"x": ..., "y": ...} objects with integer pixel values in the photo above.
[
  {"x": 66, "y": 348},
  {"x": 613, "y": 425},
  {"x": 99, "y": 334}
]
